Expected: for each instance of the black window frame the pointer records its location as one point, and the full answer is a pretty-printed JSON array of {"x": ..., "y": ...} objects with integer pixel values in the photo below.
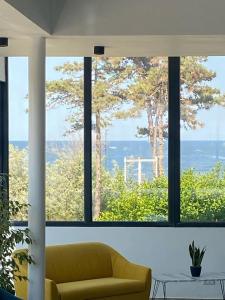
[
  {"x": 173, "y": 154},
  {"x": 4, "y": 126}
]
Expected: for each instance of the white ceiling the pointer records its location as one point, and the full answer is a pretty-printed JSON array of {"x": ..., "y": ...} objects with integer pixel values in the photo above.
[
  {"x": 15, "y": 24},
  {"x": 125, "y": 27},
  {"x": 141, "y": 17}
]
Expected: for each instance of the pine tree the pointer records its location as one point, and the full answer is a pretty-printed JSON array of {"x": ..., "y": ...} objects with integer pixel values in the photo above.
[
  {"x": 107, "y": 98},
  {"x": 148, "y": 93},
  {"x": 143, "y": 83}
]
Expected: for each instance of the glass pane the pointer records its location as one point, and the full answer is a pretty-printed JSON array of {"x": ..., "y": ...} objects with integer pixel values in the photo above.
[
  {"x": 202, "y": 139},
  {"x": 64, "y": 145},
  {"x": 130, "y": 129},
  {"x": 18, "y": 132}
]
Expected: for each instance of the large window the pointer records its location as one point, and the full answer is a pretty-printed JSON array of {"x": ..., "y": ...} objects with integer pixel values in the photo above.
[
  {"x": 131, "y": 141},
  {"x": 64, "y": 142},
  {"x": 18, "y": 132},
  {"x": 64, "y": 137},
  {"x": 202, "y": 139}
]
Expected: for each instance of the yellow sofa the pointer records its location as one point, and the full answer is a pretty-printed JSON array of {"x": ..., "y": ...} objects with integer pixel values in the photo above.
[{"x": 90, "y": 271}]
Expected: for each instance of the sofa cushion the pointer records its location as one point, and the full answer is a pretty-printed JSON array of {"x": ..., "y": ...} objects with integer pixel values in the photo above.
[
  {"x": 97, "y": 288},
  {"x": 67, "y": 263}
]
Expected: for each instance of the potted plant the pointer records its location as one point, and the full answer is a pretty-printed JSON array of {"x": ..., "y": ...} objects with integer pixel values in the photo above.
[
  {"x": 196, "y": 256},
  {"x": 9, "y": 238}
]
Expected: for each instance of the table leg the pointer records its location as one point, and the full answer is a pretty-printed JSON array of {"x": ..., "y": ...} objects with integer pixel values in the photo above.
[
  {"x": 164, "y": 290},
  {"x": 222, "y": 288},
  {"x": 155, "y": 289}
]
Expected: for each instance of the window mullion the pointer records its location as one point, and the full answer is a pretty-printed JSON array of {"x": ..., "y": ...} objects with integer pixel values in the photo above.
[
  {"x": 174, "y": 140},
  {"x": 88, "y": 139},
  {"x": 4, "y": 121}
]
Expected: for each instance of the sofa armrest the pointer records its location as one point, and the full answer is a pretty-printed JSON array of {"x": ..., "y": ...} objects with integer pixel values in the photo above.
[
  {"x": 21, "y": 287},
  {"x": 122, "y": 268},
  {"x": 51, "y": 291}
]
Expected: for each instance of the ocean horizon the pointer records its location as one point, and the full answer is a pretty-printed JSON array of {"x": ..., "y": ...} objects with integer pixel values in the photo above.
[{"x": 200, "y": 155}]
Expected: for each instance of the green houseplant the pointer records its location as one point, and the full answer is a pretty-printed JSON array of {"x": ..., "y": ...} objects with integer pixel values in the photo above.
[
  {"x": 9, "y": 238},
  {"x": 196, "y": 255}
]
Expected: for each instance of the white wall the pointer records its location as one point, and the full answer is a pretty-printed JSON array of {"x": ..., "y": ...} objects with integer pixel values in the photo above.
[{"x": 163, "y": 249}]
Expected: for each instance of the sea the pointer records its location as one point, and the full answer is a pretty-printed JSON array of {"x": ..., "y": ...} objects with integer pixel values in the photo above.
[{"x": 199, "y": 155}]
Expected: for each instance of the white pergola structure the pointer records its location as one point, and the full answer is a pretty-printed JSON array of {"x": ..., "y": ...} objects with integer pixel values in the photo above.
[{"x": 71, "y": 28}]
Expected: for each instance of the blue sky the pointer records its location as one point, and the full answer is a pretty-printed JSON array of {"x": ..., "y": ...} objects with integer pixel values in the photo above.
[{"x": 214, "y": 128}]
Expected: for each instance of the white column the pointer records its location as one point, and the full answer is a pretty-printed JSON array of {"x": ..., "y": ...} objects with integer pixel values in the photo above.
[
  {"x": 36, "y": 215},
  {"x": 2, "y": 69},
  {"x": 139, "y": 171},
  {"x": 125, "y": 169}
]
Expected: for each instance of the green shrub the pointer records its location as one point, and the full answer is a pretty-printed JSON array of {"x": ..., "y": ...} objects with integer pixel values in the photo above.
[
  {"x": 202, "y": 198},
  {"x": 202, "y": 194},
  {"x": 133, "y": 202}
]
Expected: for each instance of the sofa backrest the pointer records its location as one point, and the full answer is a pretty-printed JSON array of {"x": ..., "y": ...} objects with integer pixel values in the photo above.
[{"x": 74, "y": 262}]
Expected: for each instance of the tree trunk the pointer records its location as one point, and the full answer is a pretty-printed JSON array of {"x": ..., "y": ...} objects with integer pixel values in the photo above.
[
  {"x": 97, "y": 199},
  {"x": 152, "y": 139}
]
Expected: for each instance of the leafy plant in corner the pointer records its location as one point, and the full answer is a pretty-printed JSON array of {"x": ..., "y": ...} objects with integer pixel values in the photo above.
[
  {"x": 196, "y": 255},
  {"x": 9, "y": 237}
]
